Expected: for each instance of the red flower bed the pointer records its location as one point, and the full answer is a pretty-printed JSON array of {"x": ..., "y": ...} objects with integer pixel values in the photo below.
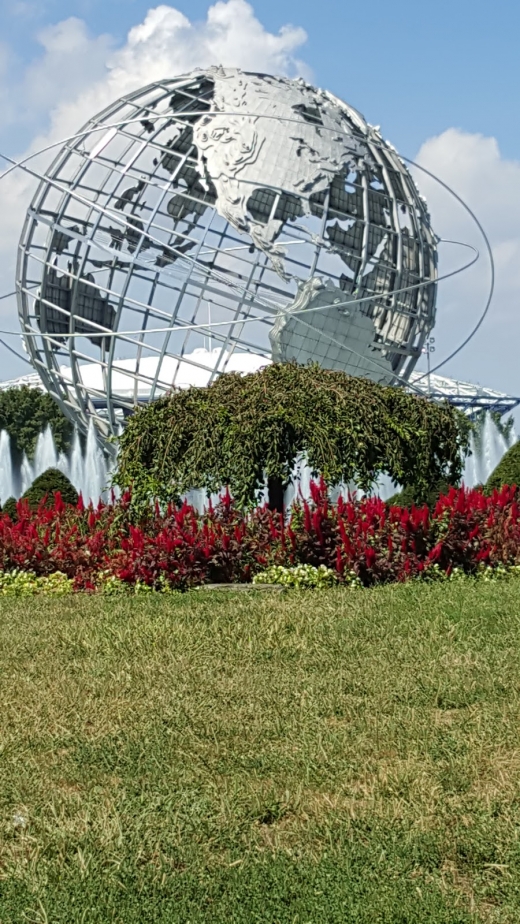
[{"x": 183, "y": 548}]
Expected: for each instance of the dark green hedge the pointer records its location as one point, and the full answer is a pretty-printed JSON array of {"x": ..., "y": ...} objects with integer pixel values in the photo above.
[
  {"x": 507, "y": 470},
  {"x": 10, "y": 507},
  {"x": 45, "y": 486},
  {"x": 408, "y": 496}
]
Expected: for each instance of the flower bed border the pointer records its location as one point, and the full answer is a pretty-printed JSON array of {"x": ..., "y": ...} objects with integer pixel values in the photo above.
[{"x": 363, "y": 541}]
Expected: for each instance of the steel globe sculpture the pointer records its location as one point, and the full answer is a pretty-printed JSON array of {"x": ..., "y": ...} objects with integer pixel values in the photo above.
[{"x": 212, "y": 222}]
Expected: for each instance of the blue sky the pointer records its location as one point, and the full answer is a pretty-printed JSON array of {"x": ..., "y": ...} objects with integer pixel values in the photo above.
[
  {"x": 415, "y": 68},
  {"x": 442, "y": 80}
]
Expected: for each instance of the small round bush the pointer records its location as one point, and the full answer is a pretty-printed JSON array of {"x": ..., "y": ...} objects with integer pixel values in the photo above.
[
  {"x": 46, "y": 485},
  {"x": 507, "y": 470},
  {"x": 407, "y": 496},
  {"x": 10, "y": 508}
]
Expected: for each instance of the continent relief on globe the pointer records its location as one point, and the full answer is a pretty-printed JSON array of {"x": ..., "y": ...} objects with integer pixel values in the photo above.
[{"x": 267, "y": 132}]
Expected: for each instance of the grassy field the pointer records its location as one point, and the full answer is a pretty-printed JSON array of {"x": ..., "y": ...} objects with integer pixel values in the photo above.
[{"x": 312, "y": 758}]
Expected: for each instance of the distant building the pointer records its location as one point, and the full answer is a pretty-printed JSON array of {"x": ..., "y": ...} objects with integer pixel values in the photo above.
[{"x": 193, "y": 370}]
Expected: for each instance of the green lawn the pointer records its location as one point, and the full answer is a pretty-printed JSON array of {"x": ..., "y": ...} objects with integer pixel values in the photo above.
[{"x": 312, "y": 758}]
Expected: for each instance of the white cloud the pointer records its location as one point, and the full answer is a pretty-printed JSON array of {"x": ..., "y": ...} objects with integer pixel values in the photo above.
[
  {"x": 167, "y": 43},
  {"x": 77, "y": 75},
  {"x": 490, "y": 184},
  {"x": 72, "y": 61},
  {"x": 231, "y": 35},
  {"x": 69, "y": 62}
]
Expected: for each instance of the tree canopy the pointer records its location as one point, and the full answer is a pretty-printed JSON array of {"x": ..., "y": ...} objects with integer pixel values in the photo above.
[
  {"x": 241, "y": 429},
  {"x": 25, "y": 412}
]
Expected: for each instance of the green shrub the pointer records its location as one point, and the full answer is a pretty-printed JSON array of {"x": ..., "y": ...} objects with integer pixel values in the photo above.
[
  {"x": 408, "y": 496},
  {"x": 25, "y": 413},
  {"x": 46, "y": 485},
  {"x": 299, "y": 576},
  {"x": 10, "y": 507},
  {"x": 507, "y": 470},
  {"x": 18, "y": 583},
  {"x": 111, "y": 585}
]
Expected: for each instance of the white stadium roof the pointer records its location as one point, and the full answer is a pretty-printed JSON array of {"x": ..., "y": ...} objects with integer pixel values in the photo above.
[{"x": 132, "y": 378}]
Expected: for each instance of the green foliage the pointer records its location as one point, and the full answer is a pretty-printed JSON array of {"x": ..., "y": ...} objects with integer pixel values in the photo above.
[
  {"x": 20, "y": 583},
  {"x": 269, "y": 758},
  {"x": 409, "y": 496},
  {"x": 485, "y": 573},
  {"x": 300, "y": 576},
  {"x": 112, "y": 586},
  {"x": 242, "y": 428},
  {"x": 46, "y": 485},
  {"x": 25, "y": 412},
  {"x": 507, "y": 470},
  {"x": 10, "y": 507}
]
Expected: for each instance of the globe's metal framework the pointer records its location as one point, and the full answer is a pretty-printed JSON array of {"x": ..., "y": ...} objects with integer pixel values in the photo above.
[{"x": 208, "y": 221}]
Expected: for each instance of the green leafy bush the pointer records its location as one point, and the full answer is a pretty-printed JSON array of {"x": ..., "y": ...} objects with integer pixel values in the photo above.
[
  {"x": 46, "y": 485},
  {"x": 25, "y": 413},
  {"x": 9, "y": 507},
  {"x": 18, "y": 583},
  {"x": 507, "y": 470},
  {"x": 409, "y": 496},
  {"x": 300, "y": 576},
  {"x": 107, "y": 583},
  {"x": 483, "y": 572},
  {"x": 243, "y": 429}
]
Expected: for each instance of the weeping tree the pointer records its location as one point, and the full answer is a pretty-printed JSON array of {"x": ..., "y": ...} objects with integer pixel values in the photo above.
[{"x": 245, "y": 429}]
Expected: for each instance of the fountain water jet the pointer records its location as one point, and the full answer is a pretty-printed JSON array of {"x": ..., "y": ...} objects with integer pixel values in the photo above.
[
  {"x": 7, "y": 488},
  {"x": 45, "y": 455},
  {"x": 95, "y": 468},
  {"x": 26, "y": 476},
  {"x": 89, "y": 471},
  {"x": 487, "y": 447}
]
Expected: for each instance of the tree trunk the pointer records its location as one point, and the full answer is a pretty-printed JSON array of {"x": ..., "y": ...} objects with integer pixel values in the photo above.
[{"x": 275, "y": 494}]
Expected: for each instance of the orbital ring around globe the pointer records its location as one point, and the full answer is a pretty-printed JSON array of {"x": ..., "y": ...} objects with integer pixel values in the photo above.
[
  {"x": 205, "y": 326},
  {"x": 304, "y": 244},
  {"x": 357, "y": 301},
  {"x": 449, "y": 189},
  {"x": 37, "y": 175},
  {"x": 21, "y": 165}
]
